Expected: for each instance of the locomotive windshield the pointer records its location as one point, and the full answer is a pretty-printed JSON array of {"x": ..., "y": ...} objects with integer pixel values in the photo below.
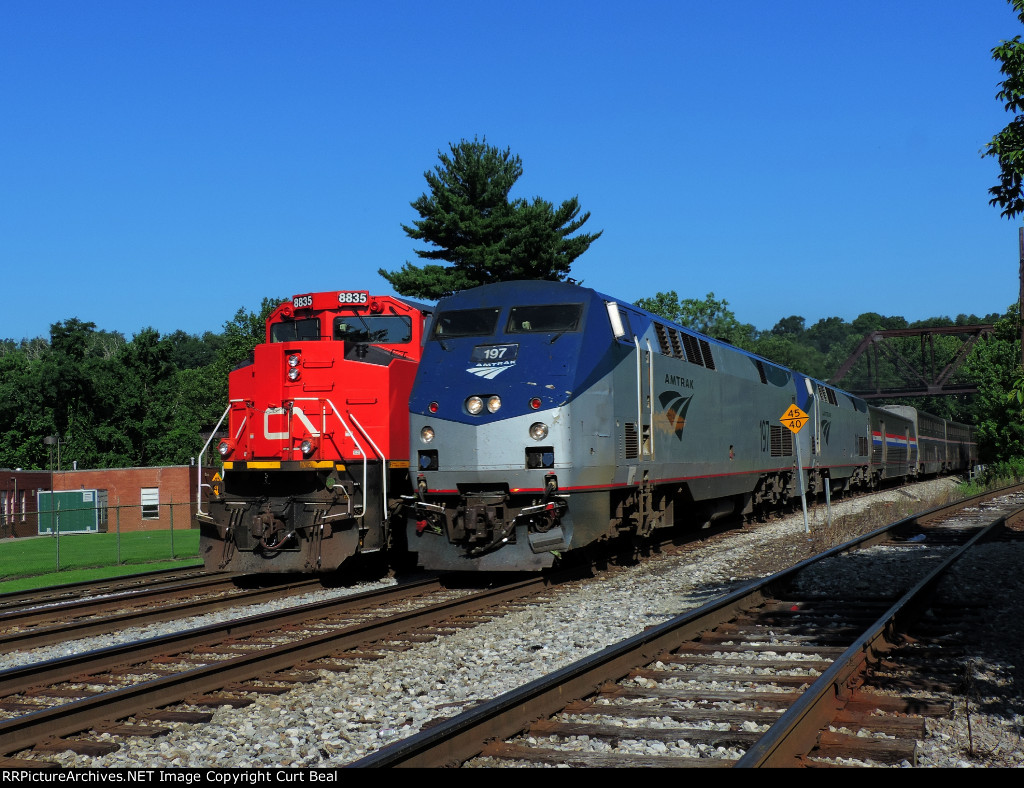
[
  {"x": 378, "y": 330},
  {"x": 466, "y": 323},
  {"x": 296, "y": 331},
  {"x": 544, "y": 319}
]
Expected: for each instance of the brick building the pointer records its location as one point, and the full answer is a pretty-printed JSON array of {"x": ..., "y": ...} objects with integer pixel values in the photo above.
[
  {"x": 137, "y": 499},
  {"x": 19, "y": 500}
]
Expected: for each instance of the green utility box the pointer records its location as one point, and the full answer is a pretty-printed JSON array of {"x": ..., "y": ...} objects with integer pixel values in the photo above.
[{"x": 72, "y": 511}]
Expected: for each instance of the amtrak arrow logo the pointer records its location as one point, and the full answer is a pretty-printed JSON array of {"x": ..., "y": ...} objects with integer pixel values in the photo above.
[
  {"x": 486, "y": 372},
  {"x": 675, "y": 405}
]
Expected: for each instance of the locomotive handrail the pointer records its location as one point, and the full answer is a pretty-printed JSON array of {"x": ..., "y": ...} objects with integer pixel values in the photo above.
[
  {"x": 199, "y": 475},
  {"x": 650, "y": 389},
  {"x": 384, "y": 469},
  {"x": 350, "y": 433}
]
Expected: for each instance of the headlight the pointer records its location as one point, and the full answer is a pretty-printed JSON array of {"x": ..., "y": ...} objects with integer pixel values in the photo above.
[
  {"x": 225, "y": 447},
  {"x": 493, "y": 403},
  {"x": 538, "y": 430},
  {"x": 293, "y": 373},
  {"x": 293, "y": 360},
  {"x": 308, "y": 446},
  {"x": 474, "y": 405},
  {"x": 427, "y": 434}
]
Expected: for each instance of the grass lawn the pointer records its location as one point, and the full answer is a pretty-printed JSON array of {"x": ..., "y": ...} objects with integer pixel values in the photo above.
[{"x": 33, "y": 563}]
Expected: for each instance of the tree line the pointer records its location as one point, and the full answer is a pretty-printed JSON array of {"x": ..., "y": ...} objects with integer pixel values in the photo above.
[
  {"x": 117, "y": 403},
  {"x": 153, "y": 400}
]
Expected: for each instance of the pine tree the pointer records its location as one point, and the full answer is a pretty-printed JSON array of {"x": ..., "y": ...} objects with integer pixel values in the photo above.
[{"x": 468, "y": 216}]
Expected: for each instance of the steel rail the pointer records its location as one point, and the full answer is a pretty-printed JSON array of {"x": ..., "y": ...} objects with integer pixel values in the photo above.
[
  {"x": 70, "y": 718},
  {"x": 59, "y": 633},
  {"x": 112, "y": 585},
  {"x": 33, "y": 613},
  {"x": 797, "y": 729},
  {"x": 462, "y": 737},
  {"x": 16, "y": 679}
]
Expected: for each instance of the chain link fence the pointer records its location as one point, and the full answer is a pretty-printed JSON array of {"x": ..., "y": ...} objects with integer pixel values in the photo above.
[{"x": 77, "y": 537}]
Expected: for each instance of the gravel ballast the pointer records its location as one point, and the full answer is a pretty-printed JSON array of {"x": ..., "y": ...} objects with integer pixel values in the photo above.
[{"x": 347, "y": 715}]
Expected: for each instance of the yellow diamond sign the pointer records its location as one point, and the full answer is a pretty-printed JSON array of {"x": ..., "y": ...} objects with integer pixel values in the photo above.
[{"x": 794, "y": 418}]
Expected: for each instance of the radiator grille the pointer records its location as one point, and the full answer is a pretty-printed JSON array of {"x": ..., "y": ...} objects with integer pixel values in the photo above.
[
  {"x": 631, "y": 441},
  {"x": 781, "y": 441}
]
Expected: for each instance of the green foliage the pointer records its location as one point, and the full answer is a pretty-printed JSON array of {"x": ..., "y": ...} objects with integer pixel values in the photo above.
[
  {"x": 1004, "y": 472},
  {"x": 995, "y": 364},
  {"x": 708, "y": 316},
  {"x": 243, "y": 333},
  {"x": 486, "y": 236},
  {"x": 112, "y": 403},
  {"x": 792, "y": 353},
  {"x": 1015, "y": 397},
  {"x": 1008, "y": 145}
]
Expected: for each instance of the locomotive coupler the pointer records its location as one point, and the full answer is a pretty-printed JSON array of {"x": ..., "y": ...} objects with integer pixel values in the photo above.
[
  {"x": 429, "y": 516},
  {"x": 482, "y": 517},
  {"x": 269, "y": 531},
  {"x": 544, "y": 525}
]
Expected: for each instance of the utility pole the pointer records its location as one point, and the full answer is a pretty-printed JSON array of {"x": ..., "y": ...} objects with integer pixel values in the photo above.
[{"x": 1020, "y": 301}]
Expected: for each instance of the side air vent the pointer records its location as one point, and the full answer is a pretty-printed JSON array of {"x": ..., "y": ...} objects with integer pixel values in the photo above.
[
  {"x": 692, "y": 350},
  {"x": 663, "y": 341},
  {"x": 781, "y": 441},
  {"x": 709, "y": 360},
  {"x": 677, "y": 348},
  {"x": 631, "y": 441}
]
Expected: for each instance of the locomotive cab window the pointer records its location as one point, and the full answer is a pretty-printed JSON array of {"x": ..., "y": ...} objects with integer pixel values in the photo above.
[
  {"x": 296, "y": 331},
  {"x": 544, "y": 319},
  {"x": 373, "y": 329},
  {"x": 465, "y": 323}
]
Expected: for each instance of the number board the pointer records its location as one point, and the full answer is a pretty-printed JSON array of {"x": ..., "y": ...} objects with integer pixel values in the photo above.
[
  {"x": 494, "y": 354},
  {"x": 353, "y": 296},
  {"x": 794, "y": 418}
]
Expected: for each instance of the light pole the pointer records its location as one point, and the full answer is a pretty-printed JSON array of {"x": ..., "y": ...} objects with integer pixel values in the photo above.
[{"x": 50, "y": 441}]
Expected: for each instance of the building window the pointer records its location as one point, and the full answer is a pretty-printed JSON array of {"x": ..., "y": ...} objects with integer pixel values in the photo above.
[{"x": 150, "y": 503}]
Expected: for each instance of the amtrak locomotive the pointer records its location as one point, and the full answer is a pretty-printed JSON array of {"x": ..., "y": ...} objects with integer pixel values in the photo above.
[
  {"x": 546, "y": 416},
  {"x": 315, "y": 460}
]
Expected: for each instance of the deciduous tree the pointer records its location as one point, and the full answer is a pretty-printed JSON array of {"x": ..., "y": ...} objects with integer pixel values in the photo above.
[
  {"x": 1008, "y": 145},
  {"x": 708, "y": 316}
]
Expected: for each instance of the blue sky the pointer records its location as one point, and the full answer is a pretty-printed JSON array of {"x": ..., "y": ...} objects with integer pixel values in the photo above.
[{"x": 165, "y": 163}]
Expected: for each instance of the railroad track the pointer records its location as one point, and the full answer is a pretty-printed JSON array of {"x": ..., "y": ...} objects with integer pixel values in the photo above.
[
  {"x": 795, "y": 669},
  {"x": 128, "y": 690},
  {"x": 215, "y": 648},
  {"x": 18, "y": 600},
  {"x": 35, "y": 627}
]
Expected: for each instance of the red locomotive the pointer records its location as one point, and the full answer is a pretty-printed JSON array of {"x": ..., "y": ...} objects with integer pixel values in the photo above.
[{"x": 315, "y": 461}]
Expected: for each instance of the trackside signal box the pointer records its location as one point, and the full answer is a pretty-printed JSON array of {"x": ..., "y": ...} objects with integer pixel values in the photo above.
[{"x": 72, "y": 511}]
